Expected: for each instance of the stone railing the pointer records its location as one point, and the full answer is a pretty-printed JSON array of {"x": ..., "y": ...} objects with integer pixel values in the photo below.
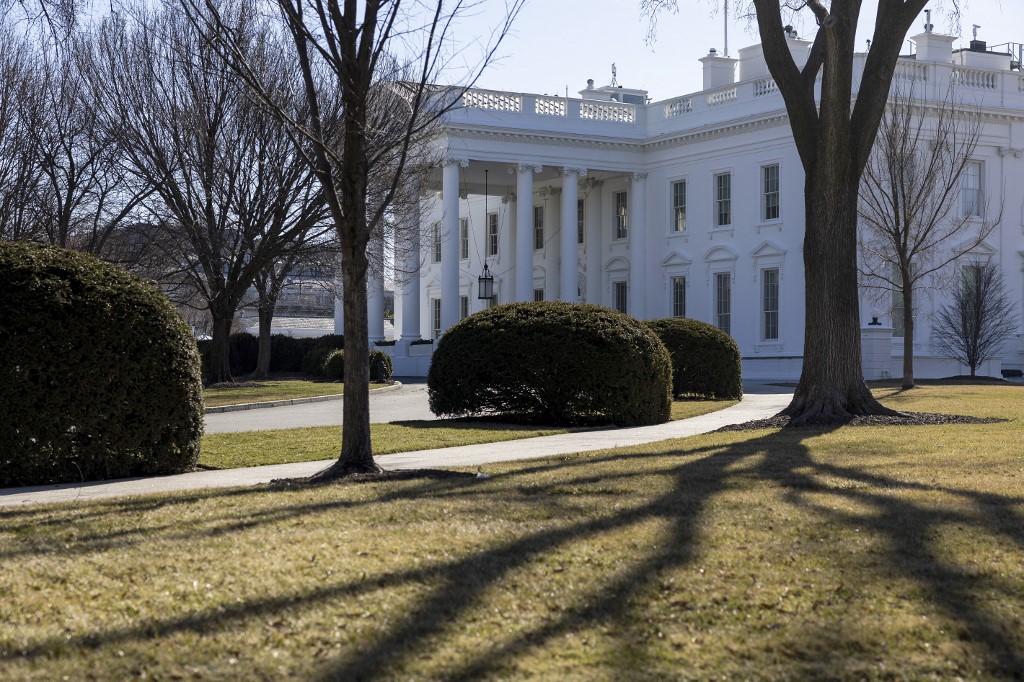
[
  {"x": 492, "y": 100},
  {"x": 765, "y": 86},
  {"x": 976, "y": 78},
  {"x": 608, "y": 111},
  {"x": 678, "y": 107},
  {"x": 911, "y": 71},
  {"x": 717, "y": 99},
  {"x": 550, "y": 106}
]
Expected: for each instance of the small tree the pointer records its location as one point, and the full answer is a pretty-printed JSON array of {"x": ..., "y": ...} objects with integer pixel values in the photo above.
[
  {"x": 910, "y": 202},
  {"x": 979, "y": 318}
]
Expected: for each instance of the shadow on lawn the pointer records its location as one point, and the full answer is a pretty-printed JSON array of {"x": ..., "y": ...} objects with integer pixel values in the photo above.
[{"x": 780, "y": 457}]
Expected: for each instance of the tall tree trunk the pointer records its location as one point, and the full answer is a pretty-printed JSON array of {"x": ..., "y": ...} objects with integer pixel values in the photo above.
[
  {"x": 220, "y": 349},
  {"x": 831, "y": 386},
  {"x": 266, "y": 315},
  {"x": 908, "y": 332}
]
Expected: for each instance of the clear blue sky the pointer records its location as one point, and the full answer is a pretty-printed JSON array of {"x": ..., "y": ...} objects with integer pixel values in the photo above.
[{"x": 560, "y": 43}]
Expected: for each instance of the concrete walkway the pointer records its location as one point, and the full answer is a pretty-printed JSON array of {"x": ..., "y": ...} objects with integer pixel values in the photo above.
[{"x": 759, "y": 402}]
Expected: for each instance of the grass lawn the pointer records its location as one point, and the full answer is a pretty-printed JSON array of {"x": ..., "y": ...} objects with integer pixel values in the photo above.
[
  {"x": 257, "y": 448},
  {"x": 825, "y": 553},
  {"x": 266, "y": 390}
]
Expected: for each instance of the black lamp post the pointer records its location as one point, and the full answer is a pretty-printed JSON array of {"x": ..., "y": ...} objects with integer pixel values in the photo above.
[{"x": 486, "y": 280}]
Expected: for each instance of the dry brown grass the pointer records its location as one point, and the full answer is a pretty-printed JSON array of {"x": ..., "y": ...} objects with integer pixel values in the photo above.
[{"x": 852, "y": 553}]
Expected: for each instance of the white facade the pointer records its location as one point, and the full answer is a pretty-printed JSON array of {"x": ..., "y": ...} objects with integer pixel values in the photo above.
[{"x": 691, "y": 206}]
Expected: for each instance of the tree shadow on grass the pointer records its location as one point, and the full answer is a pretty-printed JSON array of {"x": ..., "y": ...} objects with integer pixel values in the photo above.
[{"x": 781, "y": 458}]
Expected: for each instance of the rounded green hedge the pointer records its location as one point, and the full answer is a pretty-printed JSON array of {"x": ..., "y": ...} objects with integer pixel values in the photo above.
[
  {"x": 333, "y": 364},
  {"x": 99, "y": 375},
  {"x": 705, "y": 360},
  {"x": 381, "y": 367},
  {"x": 554, "y": 362}
]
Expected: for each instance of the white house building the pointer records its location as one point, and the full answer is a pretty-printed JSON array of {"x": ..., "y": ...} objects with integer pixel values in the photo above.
[{"x": 691, "y": 207}]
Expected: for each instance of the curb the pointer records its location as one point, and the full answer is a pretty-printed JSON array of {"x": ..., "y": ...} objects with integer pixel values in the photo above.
[{"x": 293, "y": 401}]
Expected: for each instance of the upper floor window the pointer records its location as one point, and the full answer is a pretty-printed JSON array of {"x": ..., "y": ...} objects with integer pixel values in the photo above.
[
  {"x": 435, "y": 231},
  {"x": 621, "y": 215},
  {"x": 463, "y": 238},
  {"x": 770, "y": 192},
  {"x": 579, "y": 221},
  {"x": 971, "y": 194},
  {"x": 492, "y": 234},
  {"x": 679, "y": 206},
  {"x": 538, "y": 228},
  {"x": 723, "y": 199}
]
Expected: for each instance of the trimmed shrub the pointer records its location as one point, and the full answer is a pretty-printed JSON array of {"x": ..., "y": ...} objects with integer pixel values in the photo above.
[
  {"x": 333, "y": 364},
  {"x": 244, "y": 353},
  {"x": 705, "y": 360},
  {"x": 99, "y": 375},
  {"x": 313, "y": 361},
  {"x": 554, "y": 362},
  {"x": 381, "y": 366},
  {"x": 332, "y": 341},
  {"x": 286, "y": 353}
]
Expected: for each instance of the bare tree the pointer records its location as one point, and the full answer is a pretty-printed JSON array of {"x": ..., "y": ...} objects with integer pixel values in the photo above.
[
  {"x": 914, "y": 221},
  {"x": 384, "y": 59},
  {"x": 978, "y": 320},
  {"x": 834, "y": 141},
  {"x": 231, "y": 191}
]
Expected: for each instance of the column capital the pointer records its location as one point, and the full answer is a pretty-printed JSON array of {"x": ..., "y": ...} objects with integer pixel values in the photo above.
[
  {"x": 590, "y": 183},
  {"x": 1004, "y": 151},
  {"x": 566, "y": 171},
  {"x": 509, "y": 198},
  {"x": 546, "y": 191},
  {"x": 521, "y": 167},
  {"x": 638, "y": 177},
  {"x": 452, "y": 160}
]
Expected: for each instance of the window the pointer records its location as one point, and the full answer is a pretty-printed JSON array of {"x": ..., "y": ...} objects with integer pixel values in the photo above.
[
  {"x": 679, "y": 206},
  {"x": 492, "y": 234},
  {"x": 723, "y": 199},
  {"x": 538, "y": 294},
  {"x": 770, "y": 304},
  {"x": 435, "y": 316},
  {"x": 723, "y": 301},
  {"x": 770, "y": 192},
  {"x": 436, "y": 234},
  {"x": 971, "y": 195},
  {"x": 463, "y": 307},
  {"x": 678, "y": 297},
  {"x": 464, "y": 238},
  {"x": 621, "y": 216},
  {"x": 538, "y": 228},
  {"x": 579, "y": 221},
  {"x": 619, "y": 292}
]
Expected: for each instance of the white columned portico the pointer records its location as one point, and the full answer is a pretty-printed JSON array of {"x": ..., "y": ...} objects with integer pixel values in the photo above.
[
  {"x": 568, "y": 289},
  {"x": 375, "y": 292},
  {"x": 450, "y": 242},
  {"x": 506, "y": 262},
  {"x": 524, "y": 231},
  {"x": 592, "y": 242},
  {"x": 411, "y": 270},
  {"x": 637, "y": 230}
]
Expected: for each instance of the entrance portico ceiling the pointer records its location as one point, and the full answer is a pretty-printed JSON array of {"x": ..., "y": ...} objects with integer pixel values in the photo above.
[{"x": 501, "y": 177}]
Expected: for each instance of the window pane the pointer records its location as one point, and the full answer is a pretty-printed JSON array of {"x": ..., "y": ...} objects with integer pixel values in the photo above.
[
  {"x": 621, "y": 216},
  {"x": 464, "y": 238},
  {"x": 436, "y": 316},
  {"x": 538, "y": 228},
  {"x": 770, "y": 197},
  {"x": 770, "y": 304},
  {"x": 619, "y": 292},
  {"x": 723, "y": 199},
  {"x": 538, "y": 294},
  {"x": 678, "y": 297},
  {"x": 723, "y": 302},
  {"x": 463, "y": 307},
  {"x": 492, "y": 234},
  {"x": 679, "y": 206},
  {"x": 971, "y": 194},
  {"x": 579, "y": 221},
  {"x": 437, "y": 242}
]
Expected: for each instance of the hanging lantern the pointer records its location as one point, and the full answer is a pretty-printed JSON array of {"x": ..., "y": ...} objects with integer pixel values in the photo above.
[{"x": 486, "y": 282}]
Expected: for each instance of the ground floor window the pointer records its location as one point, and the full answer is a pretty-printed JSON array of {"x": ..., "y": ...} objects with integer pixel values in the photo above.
[
  {"x": 435, "y": 316},
  {"x": 538, "y": 294},
  {"x": 463, "y": 307},
  {"x": 723, "y": 301},
  {"x": 619, "y": 291},
  {"x": 678, "y": 297},
  {"x": 770, "y": 304}
]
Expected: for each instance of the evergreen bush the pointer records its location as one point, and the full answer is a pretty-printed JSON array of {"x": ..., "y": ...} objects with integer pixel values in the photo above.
[
  {"x": 333, "y": 365},
  {"x": 381, "y": 366},
  {"x": 313, "y": 361},
  {"x": 705, "y": 360},
  {"x": 99, "y": 375},
  {"x": 553, "y": 362}
]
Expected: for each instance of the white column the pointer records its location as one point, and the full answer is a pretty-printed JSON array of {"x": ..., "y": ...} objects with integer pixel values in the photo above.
[
  {"x": 506, "y": 261},
  {"x": 524, "y": 231},
  {"x": 593, "y": 244},
  {"x": 375, "y": 291},
  {"x": 552, "y": 241},
  {"x": 637, "y": 253},
  {"x": 411, "y": 270},
  {"x": 450, "y": 243},
  {"x": 568, "y": 289},
  {"x": 339, "y": 310}
]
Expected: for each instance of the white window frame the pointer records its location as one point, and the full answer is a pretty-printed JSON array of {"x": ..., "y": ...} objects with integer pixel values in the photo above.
[
  {"x": 771, "y": 198},
  {"x": 620, "y": 211},
  {"x": 463, "y": 238},
  {"x": 723, "y": 199},
  {"x": 463, "y": 307},
  {"x": 538, "y": 295},
  {"x": 492, "y": 233},
  {"x": 972, "y": 190},
  {"x": 436, "y": 239},
  {"x": 677, "y": 210},
  {"x": 677, "y": 295},
  {"x": 538, "y": 228},
  {"x": 580, "y": 213},
  {"x": 620, "y": 290},
  {"x": 770, "y": 313},
  {"x": 435, "y": 317},
  {"x": 722, "y": 308}
]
